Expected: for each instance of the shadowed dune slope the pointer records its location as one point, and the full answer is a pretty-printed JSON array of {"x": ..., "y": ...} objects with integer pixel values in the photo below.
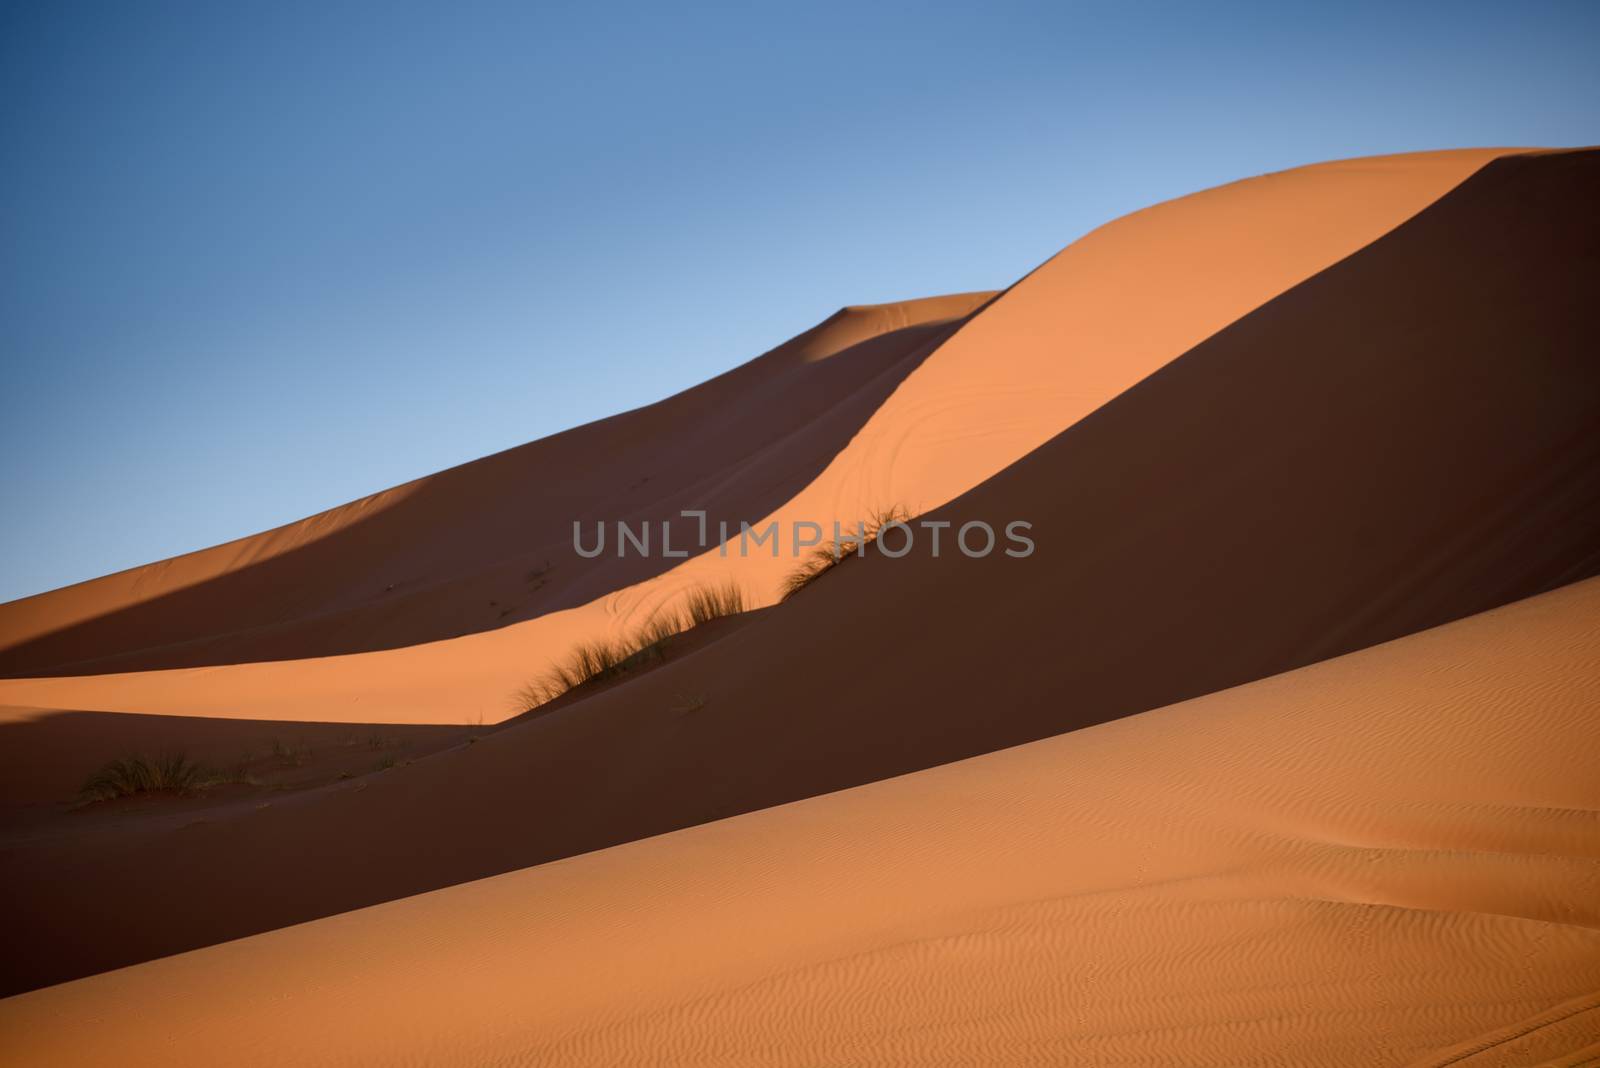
[
  {"x": 1104, "y": 313},
  {"x": 471, "y": 548},
  {"x": 1388, "y": 858},
  {"x": 1405, "y": 439},
  {"x": 45, "y": 754}
]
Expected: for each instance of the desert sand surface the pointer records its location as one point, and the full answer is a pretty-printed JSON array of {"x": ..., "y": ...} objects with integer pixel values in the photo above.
[
  {"x": 1285, "y": 717},
  {"x": 967, "y": 388},
  {"x": 1428, "y": 461},
  {"x": 1390, "y": 857}
]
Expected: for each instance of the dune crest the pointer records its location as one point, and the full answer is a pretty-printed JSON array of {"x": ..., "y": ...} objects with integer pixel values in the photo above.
[{"x": 1093, "y": 321}]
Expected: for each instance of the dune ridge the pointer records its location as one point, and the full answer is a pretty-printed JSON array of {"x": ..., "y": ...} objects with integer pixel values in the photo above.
[
  {"x": 1389, "y": 857},
  {"x": 1086, "y": 326}
]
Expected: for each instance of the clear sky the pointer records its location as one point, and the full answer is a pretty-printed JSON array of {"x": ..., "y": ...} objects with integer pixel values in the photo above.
[{"x": 260, "y": 259}]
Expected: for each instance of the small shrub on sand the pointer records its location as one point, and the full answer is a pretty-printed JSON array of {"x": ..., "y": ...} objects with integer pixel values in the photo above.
[
  {"x": 706, "y": 603},
  {"x": 600, "y": 661},
  {"x": 830, "y": 554},
  {"x": 592, "y": 662},
  {"x": 172, "y": 774}
]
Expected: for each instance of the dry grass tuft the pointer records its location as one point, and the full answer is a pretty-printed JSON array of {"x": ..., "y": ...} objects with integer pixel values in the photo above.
[
  {"x": 830, "y": 554},
  {"x": 706, "y": 603},
  {"x": 600, "y": 661},
  {"x": 170, "y": 774}
]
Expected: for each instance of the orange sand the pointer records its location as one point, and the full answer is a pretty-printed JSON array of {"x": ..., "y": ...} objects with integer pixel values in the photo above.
[
  {"x": 1273, "y": 439},
  {"x": 1368, "y": 861},
  {"x": 1089, "y": 324}
]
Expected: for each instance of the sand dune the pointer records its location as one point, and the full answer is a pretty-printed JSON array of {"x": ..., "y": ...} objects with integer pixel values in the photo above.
[
  {"x": 489, "y": 542},
  {"x": 1095, "y": 320},
  {"x": 1402, "y": 440},
  {"x": 1386, "y": 858}
]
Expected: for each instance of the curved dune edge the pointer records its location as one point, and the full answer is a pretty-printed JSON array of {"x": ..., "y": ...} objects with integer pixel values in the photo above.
[
  {"x": 1376, "y": 859},
  {"x": 1093, "y": 321}
]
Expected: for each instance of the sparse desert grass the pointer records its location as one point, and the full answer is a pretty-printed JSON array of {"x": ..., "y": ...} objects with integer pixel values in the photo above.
[
  {"x": 598, "y": 661},
  {"x": 706, "y": 603},
  {"x": 290, "y": 755},
  {"x": 830, "y": 554},
  {"x": 173, "y": 773}
]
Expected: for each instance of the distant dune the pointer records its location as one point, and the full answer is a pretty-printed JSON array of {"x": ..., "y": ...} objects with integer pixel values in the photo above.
[
  {"x": 1288, "y": 721},
  {"x": 1388, "y": 858},
  {"x": 1106, "y": 312},
  {"x": 472, "y": 548}
]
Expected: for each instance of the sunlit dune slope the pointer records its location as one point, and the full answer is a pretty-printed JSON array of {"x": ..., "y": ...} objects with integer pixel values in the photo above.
[
  {"x": 1387, "y": 858},
  {"x": 1402, "y": 440},
  {"x": 489, "y": 542},
  {"x": 1096, "y": 319}
]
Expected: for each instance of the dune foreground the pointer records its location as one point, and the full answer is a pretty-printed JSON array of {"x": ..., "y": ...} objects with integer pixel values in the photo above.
[
  {"x": 1386, "y": 858},
  {"x": 1279, "y": 747}
]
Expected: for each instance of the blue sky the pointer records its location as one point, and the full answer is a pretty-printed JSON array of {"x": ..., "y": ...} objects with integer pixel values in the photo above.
[{"x": 260, "y": 259}]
